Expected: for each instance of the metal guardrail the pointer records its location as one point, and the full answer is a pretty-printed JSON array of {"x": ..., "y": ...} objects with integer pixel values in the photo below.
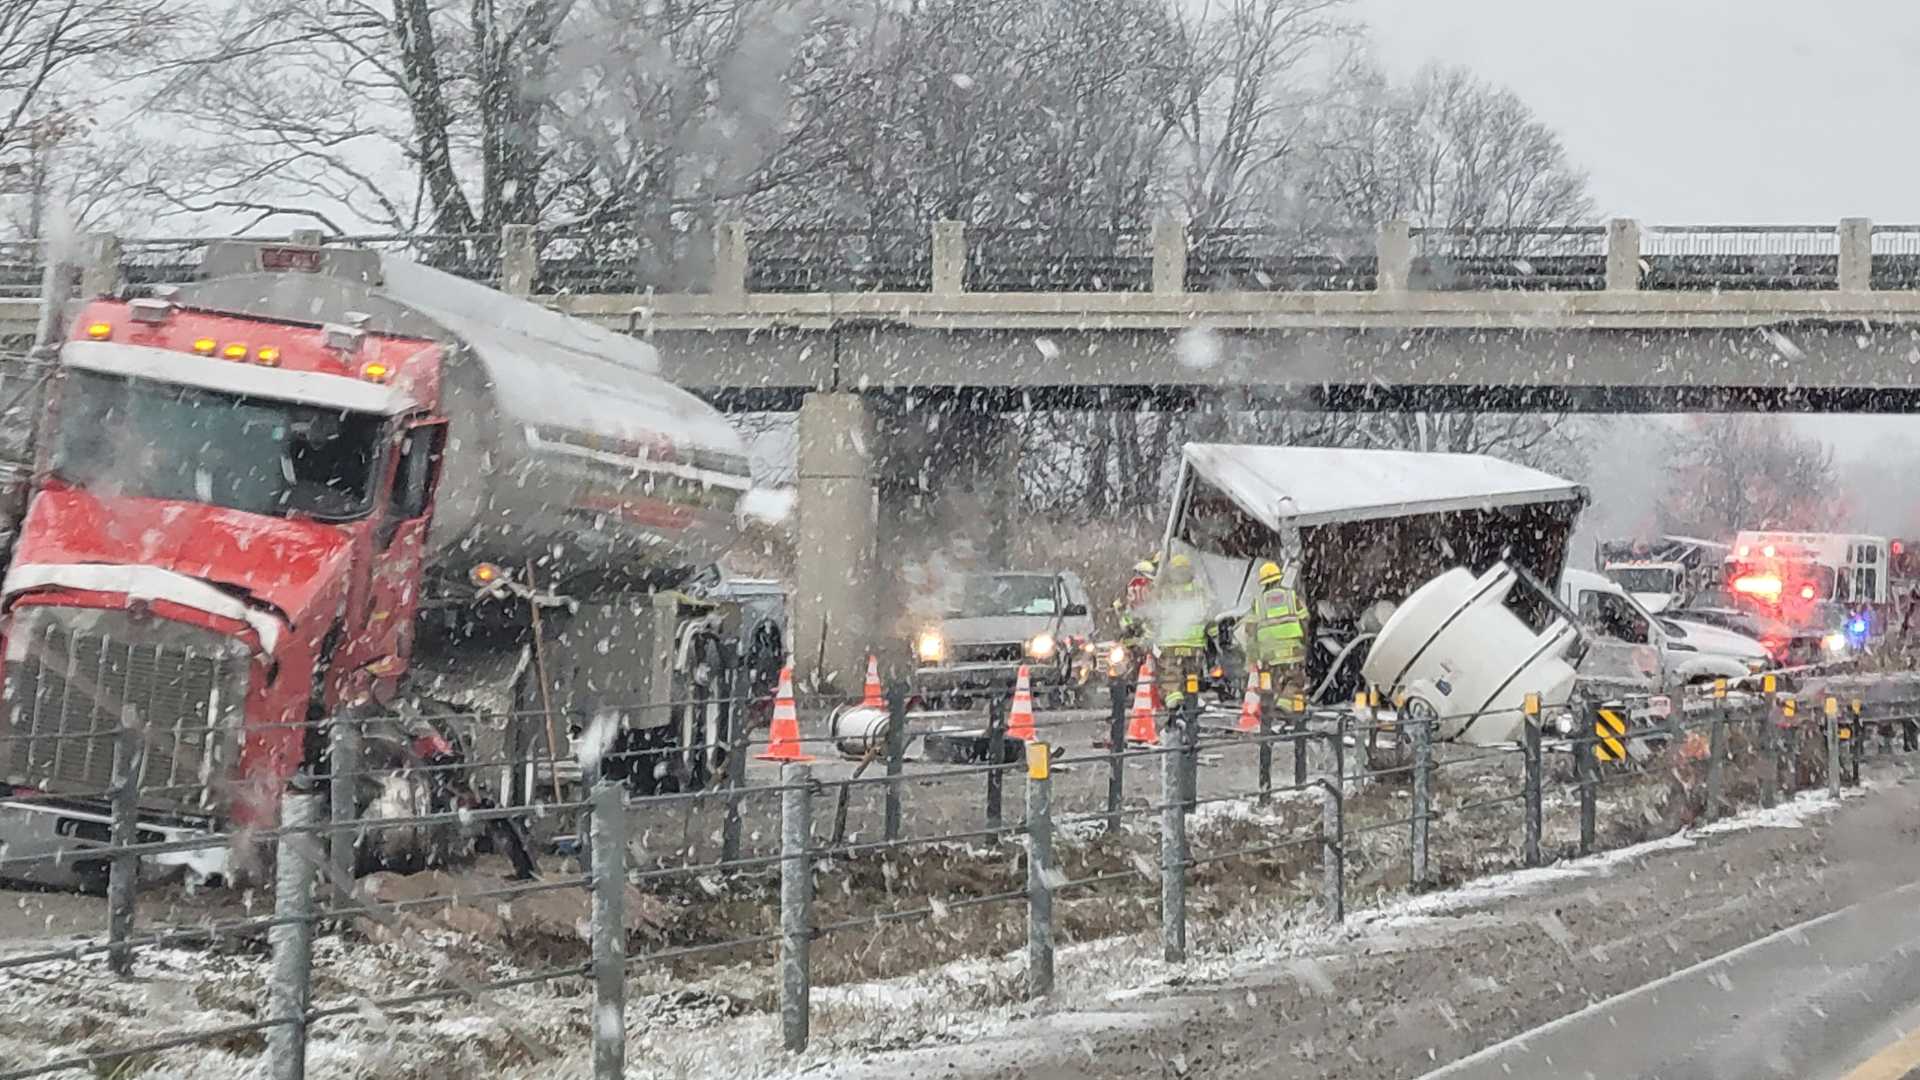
[{"x": 1334, "y": 819}]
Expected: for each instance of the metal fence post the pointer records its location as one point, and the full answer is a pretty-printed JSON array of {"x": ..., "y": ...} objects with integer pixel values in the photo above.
[
  {"x": 896, "y": 757},
  {"x": 796, "y": 901},
  {"x": 289, "y": 985},
  {"x": 1831, "y": 709},
  {"x": 1587, "y": 768},
  {"x": 1856, "y": 712},
  {"x": 1173, "y": 855},
  {"x": 1300, "y": 740},
  {"x": 1422, "y": 735},
  {"x": 123, "y": 876},
  {"x": 1770, "y": 752},
  {"x": 1039, "y": 867},
  {"x": 738, "y": 739},
  {"x": 1531, "y": 747},
  {"x": 1116, "y": 751},
  {"x": 608, "y": 931},
  {"x": 996, "y": 754},
  {"x": 1190, "y": 756},
  {"x": 343, "y": 760},
  {"x": 1332, "y": 828},
  {"x": 1265, "y": 691},
  {"x": 1716, "y": 750}
]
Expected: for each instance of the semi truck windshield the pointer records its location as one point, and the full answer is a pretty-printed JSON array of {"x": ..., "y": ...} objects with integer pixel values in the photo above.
[{"x": 139, "y": 437}]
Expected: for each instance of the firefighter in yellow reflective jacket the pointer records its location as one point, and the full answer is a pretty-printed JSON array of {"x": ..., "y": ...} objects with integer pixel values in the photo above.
[
  {"x": 1274, "y": 631},
  {"x": 1180, "y": 609}
]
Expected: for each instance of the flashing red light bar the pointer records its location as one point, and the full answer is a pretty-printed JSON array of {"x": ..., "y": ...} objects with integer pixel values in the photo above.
[{"x": 1766, "y": 585}]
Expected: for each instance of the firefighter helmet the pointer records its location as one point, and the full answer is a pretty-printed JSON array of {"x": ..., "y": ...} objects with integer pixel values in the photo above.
[{"x": 1270, "y": 573}]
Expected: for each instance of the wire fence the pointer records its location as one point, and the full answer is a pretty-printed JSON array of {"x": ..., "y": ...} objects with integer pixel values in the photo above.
[{"x": 834, "y": 855}]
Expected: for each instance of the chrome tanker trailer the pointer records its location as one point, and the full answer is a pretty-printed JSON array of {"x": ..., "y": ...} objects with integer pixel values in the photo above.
[{"x": 320, "y": 483}]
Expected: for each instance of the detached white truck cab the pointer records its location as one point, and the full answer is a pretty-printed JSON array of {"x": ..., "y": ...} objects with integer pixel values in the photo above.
[{"x": 1629, "y": 644}]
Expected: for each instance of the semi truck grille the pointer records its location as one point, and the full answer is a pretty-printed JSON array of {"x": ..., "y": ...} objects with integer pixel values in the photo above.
[{"x": 73, "y": 674}]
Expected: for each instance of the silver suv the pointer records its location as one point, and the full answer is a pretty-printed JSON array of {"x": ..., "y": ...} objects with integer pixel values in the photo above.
[{"x": 993, "y": 623}]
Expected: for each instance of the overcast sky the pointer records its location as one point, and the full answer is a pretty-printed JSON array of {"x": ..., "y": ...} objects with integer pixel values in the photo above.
[
  {"x": 1698, "y": 111},
  {"x": 1707, "y": 111}
]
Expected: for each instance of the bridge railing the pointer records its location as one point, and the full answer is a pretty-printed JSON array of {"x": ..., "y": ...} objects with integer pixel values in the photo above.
[{"x": 734, "y": 261}]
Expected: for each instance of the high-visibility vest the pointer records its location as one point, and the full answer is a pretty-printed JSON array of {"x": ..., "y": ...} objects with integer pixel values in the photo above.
[{"x": 1279, "y": 627}]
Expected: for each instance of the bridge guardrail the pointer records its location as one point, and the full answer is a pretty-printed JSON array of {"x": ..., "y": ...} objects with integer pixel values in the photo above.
[{"x": 946, "y": 258}]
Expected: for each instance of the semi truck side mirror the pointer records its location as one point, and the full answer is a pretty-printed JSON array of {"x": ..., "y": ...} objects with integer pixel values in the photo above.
[{"x": 1075, "y": 609}]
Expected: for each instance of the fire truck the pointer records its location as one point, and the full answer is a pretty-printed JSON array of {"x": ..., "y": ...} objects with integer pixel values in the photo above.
[
  {"x": 1836, "y": 583},
  {"x": 318, "y": 483}
]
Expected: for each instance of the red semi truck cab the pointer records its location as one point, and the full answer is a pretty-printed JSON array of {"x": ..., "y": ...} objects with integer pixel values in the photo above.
[
  {"x": 224, "y": 542},
  {"x": 231, "y": 529}
]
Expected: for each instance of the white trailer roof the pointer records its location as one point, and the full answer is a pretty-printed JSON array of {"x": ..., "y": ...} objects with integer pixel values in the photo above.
[{"x": 1300, "y": 486}]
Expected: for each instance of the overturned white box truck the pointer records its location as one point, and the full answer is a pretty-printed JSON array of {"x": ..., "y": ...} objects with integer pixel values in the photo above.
[{"x": 1426, "y": 575}]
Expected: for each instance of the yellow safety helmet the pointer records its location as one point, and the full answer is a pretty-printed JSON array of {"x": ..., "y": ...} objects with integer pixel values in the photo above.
[
  {"x": 1144, "y": 566},
  {"x": 1270, "y": 573}
]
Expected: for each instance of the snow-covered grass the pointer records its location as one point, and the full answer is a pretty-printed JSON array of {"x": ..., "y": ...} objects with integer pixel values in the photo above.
[{"x": 715, "y": 1022}]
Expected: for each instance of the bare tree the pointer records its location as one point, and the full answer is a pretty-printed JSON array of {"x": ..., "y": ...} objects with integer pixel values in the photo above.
[
  {"x": 1445, "y": 151},
  {"x": 55, "y": 56},
  {"x": 459, "y": 116},
  {"x": 1737, "y": 472},
  {"x": 1008, "y": 113},
  {"x": 1244, "y": 106}
]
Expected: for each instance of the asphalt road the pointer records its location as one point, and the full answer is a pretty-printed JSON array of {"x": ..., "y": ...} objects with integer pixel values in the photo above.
[{"x": 1764, "y": 952}]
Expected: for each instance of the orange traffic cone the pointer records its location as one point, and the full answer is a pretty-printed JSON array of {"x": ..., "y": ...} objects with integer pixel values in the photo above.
[
  {"x": 874, "y": 698},
  {"x": 1020, "y": 721},
  {"x": 783, "y": 735},
  {"x": 1140, "y": 725},
  {"x": 1250, "y": 704}
]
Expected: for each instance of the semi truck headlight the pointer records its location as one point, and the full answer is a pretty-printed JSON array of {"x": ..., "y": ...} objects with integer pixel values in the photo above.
[
  {"x": 1042, "y": 646},
  {"x": 1835, "y": 642},
  {"x": 930, "y": 647}
]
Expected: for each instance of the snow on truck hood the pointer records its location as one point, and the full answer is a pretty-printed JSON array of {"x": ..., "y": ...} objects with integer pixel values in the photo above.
[{"x": 70, "y": 537}]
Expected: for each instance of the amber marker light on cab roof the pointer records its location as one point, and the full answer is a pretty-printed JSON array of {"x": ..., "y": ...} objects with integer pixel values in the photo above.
[
  {"x": 235, "y": 351},
  {"x": 268, "y": 356},
  {"x": 375, "y": 372},
  {"x": 99, "y": 330},
  {"x": 205, "y": 346}
]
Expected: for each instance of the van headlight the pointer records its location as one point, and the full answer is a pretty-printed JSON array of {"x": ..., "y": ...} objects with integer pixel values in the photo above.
[
  {"x": 1042, "y": 647},
  {"x": 1835, "y": 643},
  {"x": 930, "y": 647}
]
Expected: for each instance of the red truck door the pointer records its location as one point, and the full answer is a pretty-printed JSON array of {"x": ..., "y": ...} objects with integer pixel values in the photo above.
[{"x": 399, "y": 551}]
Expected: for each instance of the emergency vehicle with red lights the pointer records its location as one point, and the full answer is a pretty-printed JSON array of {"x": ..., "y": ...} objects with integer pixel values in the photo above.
[
  {"x": 1836, "y": 582},
  {"x": 318, "y": 482}
]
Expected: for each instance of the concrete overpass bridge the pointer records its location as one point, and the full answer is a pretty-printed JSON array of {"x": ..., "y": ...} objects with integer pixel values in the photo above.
[{"x": 868, "y": 335}]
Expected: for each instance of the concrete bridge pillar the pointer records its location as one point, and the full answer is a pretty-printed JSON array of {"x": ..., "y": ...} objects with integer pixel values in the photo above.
[
  {"x": 1856, "y": 254},
  {"x": 897, "y": 493},
  {"x": 836, "y": 567},
  {"x": 1623, "y": 254},
  {"x": 1393, "y": 257}
]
